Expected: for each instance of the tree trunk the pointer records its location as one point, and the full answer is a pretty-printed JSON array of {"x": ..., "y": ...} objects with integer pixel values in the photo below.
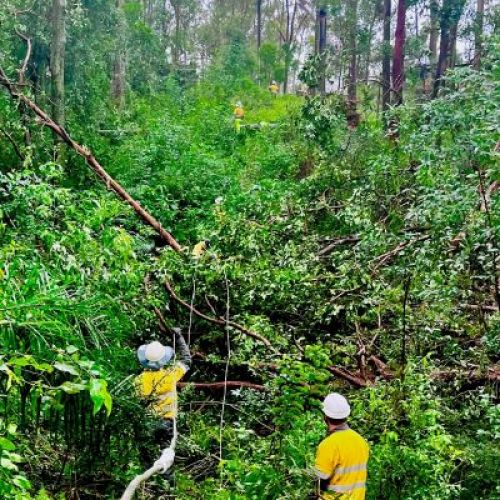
[
  {"x": 478, "y": 34},
  {"x": 386, "y": 61},
  {"x": 451, "y": 12},
  {"x": 376, "y": 12},
  {"x": 322, "y": 50},
  {"x": 289, "y": 40},
  {"x": 57, "y": 51},
  {"x": 453, "y": 46},
  {"x": 177, "y": 34},
  {"x": 286, "y": 46},
  {"x": 352, "y": 116},
  {"x": 351, "y": 88},
  {"x": 259, "y": 23},
  {"x": 398, "y": 71},
  {"x": 433, "y": 32},
  {"x": 119, "y": 66}
]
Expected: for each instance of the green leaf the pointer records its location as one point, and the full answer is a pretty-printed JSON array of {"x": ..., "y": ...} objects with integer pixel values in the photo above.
[
  {"x": 63, "y": 367},
  {"x": 72, "y": 387},
  {"x": 22, "y": 482},
  {"x": 6, "y": 444},
  {"x": 100, "y": 395},
  {"x": 7, "y": 464}
]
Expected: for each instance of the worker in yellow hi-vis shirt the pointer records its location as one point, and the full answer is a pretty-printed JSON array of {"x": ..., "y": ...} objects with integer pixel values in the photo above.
[
  {"x": 342, "y": 457},
  {"x": 239, "y": 115},
  {"x": 274, "y": 88},
  {"x": 157, "y": 384}
]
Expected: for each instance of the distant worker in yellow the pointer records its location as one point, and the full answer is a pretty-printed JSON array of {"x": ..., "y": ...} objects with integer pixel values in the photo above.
[
  {"x": 157, "y": 384},
  {"x": 342, "y": 457},
  {"x": 239, "y": 115},
  {"x": 200, "y": 248},
  {"x": 274, "y": 88}
]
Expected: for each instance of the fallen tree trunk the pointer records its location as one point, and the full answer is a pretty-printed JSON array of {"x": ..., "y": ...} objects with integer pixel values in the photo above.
[
  {"x": 221, "y": 385},
  {"x": 217, "y": 320},
  {"x": 111, "y": 183}
]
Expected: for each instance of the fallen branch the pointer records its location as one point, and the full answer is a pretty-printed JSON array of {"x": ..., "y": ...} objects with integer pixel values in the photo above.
[
  {"x": 480, "y": 307},
  {"x": 378, "y": 262},
  {"x": 220, "y": 385},
  {"x": 386, "y": 257},
  {"x": 217, "y": 320},
  {"x": 47, "y": 121},
  {"x": 381, "y": 367},
  {"x": 476, "y": 375},
  {"x": 340, "y": 241},
  {"x": 353, "y": 379}
]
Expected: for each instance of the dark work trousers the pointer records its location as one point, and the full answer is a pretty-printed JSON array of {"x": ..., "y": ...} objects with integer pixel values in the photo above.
[{"x": 157, "y": 436}]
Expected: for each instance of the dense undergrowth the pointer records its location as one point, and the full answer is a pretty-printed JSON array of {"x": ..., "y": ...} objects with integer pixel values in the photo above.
[{"x": 410, "y": 277}]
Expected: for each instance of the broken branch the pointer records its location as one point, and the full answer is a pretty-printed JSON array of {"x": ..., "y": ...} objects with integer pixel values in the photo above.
[
  {"x": 386, "y": 257},
  {"x": 349, "y": 376},
  {"x": 47, "y": 121},
  {"x": 340, "y": 241},
  {"x": 217, "y": 320}
]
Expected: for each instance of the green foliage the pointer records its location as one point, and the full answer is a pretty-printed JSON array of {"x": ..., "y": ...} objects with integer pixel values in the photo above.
[{"x": 79, "y": 276}]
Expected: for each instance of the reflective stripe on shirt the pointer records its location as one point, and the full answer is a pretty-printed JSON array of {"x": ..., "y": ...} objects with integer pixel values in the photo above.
[
  {"x": 352, "y": 468},
  {"x": 342, "y": 488},
  {"x": 321, "y": 475}
]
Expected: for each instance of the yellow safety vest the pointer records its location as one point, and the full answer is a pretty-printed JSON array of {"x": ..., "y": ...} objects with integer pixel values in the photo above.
[
  {"x": 274, "y": 89},
  {"x": 239, "y": 113},
  {"x": 161, "y": 387},
  {"x": 199, "y": 249},
  {"x": 342, "y": 458}
]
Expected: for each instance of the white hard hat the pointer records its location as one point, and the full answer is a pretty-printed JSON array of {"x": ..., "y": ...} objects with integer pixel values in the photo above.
[
  {"x": 239, "y": 104},
  {"x": 336, "y": 406},
  {"x": 154, "y": 351},
  {"x": 154, "y": 355}
]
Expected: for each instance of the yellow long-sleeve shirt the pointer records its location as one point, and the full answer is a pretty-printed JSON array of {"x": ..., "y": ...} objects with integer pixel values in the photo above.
[{"x": 161, "y": 387}]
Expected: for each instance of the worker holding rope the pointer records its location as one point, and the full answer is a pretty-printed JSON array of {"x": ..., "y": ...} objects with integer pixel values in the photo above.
[{"x": 157, "y": 383}]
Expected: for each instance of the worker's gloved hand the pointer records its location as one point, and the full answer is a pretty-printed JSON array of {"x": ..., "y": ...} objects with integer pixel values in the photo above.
[{"x": 166, "y": 460}]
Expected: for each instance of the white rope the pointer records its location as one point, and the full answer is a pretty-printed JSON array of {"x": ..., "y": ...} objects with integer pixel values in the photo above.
[
  {"x": 163, "y": 464},
  {"x": 193, "y": 294},
  {"x": 226, "y": 372}
]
